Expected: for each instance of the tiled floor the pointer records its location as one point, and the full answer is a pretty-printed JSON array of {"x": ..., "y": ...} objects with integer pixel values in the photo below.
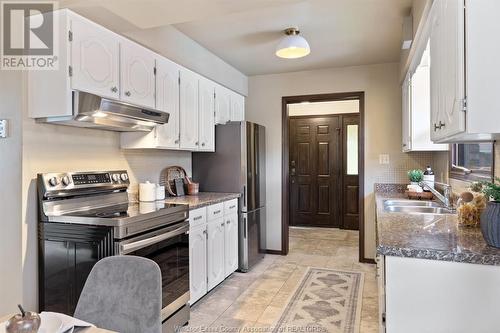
[{"x": 257, "y": 299}]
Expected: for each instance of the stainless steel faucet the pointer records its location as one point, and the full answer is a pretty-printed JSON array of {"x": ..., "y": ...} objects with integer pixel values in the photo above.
[{"x": 445, "y": 198}]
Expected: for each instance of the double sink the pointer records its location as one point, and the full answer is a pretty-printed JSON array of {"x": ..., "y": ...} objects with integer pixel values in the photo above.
[{"x": 415, "y": 207}]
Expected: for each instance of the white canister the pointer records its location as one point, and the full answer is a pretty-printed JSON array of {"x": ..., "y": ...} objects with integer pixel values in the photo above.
[
  {"x": 160, "y": 192},
  {"x": 147, "y": 191}
]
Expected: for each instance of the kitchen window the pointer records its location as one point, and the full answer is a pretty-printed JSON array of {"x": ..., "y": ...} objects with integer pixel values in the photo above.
[{"x": 472, "y": 161}]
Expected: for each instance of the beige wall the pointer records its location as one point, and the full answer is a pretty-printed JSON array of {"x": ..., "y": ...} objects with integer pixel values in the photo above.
[
  {"x": 382, "y": 130},
  {"x": 320, "y": 108},
  {"x": 10, "y": 192}
]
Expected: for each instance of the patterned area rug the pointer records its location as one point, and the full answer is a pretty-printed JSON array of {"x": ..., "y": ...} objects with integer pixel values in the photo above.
[{"x": 325, "y": 301}]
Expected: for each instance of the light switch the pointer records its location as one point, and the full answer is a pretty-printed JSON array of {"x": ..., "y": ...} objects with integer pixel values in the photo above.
[
  {"x": 383, "y": 159},
  {"x": 3, "y": 128}
]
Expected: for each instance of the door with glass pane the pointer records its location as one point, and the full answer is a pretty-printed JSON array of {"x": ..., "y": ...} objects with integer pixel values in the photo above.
[{"x": 350, "y": 172}]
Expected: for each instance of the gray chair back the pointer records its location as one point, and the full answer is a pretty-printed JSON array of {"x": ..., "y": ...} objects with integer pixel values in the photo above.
[{"x": 122, "y": 294}]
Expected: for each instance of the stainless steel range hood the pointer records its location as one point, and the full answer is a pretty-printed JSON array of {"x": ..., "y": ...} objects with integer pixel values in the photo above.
[{"x": 98, "y": 112}]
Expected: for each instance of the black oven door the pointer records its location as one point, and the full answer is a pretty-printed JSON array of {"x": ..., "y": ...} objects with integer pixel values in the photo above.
[{"x": 169, "y": 248}]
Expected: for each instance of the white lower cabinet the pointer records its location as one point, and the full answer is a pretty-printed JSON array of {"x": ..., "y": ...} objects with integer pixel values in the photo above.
[
  {"x": 198, "y": 262},
  {"x": 424, "y": 295},
  {"x": 230, "y": 244},
  {"x": 215, "y": 252},
  {"x": 213, "y": 246}
]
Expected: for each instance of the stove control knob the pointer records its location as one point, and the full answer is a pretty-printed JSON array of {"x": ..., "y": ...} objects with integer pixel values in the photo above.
[
  {"x": 124, "y": 177},
  {"x": 116, "y": 177},
  {"x": 66, "y": 180},
  {"x": 53, "y": 181}
]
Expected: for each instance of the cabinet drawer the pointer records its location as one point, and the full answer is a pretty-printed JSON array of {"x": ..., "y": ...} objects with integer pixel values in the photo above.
[
  {"x": 215, "y": 211},
  {"x": 230, "y": 207},
  {"x": 197, "y": 217}
]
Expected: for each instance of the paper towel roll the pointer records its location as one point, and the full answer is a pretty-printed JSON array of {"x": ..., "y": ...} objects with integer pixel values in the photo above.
[{"x": 147, "y": 191}]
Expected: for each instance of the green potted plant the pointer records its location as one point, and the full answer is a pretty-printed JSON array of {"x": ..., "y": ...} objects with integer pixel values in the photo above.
[
  {"x": 490, "y": 218},
  {"x": 415, "y": 176}
]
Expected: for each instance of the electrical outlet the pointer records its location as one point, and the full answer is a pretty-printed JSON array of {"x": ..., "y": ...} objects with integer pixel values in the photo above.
[
  {"x": 3, "y": 128},
  {"x": 383, "y": 159}
]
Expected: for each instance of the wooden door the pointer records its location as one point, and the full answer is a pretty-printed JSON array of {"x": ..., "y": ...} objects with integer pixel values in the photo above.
[
  {"x": 198, "y": 262},
  {"x": 231, "y": 244},
  {"x": 167, "y": 99},
  {"x": 315, "y": 166},
  {"x": 207, "y": 116},
  {"x": 215, "y": 252},
  {"x": 137, "y": 68},
  {"x": 189, "y": 104},
  {"x": 350, "y": 172},
  {"x": 95, "y": 59}
]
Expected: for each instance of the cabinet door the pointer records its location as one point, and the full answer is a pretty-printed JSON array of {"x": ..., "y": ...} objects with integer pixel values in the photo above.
[
  {"x": 95, "y": 59},
  {"x": 222, "y": 105},
  {"x": 137, "y": 65},
  {"x": 167, "y": 99},
  {"x": 435, "y": 69},
  {"x": 215, "y": 252},
  {"x": 197, "y": 262},
  {"x": 189, "y": 110},
  {"x": 206, "y": 116},
  {"x": 406, "y": 117},
  {"x": 237, "y": 107},
  {"x": 453, "y": 65},
  {"x": 231, "y": 244}
]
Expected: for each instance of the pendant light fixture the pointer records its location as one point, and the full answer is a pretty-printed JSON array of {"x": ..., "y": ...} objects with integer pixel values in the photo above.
[{"x": 292, "y": 46}]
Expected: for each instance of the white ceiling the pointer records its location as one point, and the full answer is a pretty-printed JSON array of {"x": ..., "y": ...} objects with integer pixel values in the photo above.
[{"x": 245, "y": 33}]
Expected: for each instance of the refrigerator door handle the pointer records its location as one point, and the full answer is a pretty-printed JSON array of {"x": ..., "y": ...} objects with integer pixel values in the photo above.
[
  {"x": 245, "y": 196},
  {"x": 244, "y": 227}
]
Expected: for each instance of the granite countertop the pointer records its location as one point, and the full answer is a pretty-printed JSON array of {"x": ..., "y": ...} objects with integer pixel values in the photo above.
[
  {"x": 202, "y": 199},
  {"x": 428, "y": 236}
]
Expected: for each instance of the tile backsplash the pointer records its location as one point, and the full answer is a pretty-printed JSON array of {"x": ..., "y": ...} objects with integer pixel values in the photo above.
[{"x": 397, "y": 170}]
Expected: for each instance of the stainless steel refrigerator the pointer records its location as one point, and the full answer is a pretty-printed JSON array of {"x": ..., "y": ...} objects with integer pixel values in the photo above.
[{"x": 238, "y": 165}]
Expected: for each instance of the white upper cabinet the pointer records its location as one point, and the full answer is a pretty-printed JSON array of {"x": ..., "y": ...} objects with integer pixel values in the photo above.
[
  {"x": 222, "y": 105},
  {"x": 167, "y": 99},
  {"x": 464, "y": 85},
  {"x": 229, "y": 106},
  {"x": 137, "y": 68},
  {"x": 189, "y": 104},
  {"x": 206, "y": 115},
  {"x": 416, "y": 133},
  {"x": 95, "y": 60},
  {"x": 237, "y": 107}
]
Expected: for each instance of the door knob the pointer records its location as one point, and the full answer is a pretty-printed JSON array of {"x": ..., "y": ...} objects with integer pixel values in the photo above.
[{"x": 114, "y": 89}]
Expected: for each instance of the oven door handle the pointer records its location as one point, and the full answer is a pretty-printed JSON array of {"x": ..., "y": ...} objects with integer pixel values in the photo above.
[{"x": 131, "y": 247}]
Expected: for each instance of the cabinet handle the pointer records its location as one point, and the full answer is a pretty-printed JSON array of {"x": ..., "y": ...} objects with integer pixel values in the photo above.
[
  {"x": 203, "y": 144},
  {"x": 233, "y": 206},
  {"x": 114, "y": 89},
  {"x": 222, "y": 224},
  {"x": 217, "y": 212},
  {"x": 197, "y": 218},
  {"x": 196, "y": 143},
  {"x": 404, "y": 144},
  {"x": 127, "y": 93},
  {"x": 229, "y": 221},
  {"x": 176, "y": 141},
  {"x": 441, "y": 124}
]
